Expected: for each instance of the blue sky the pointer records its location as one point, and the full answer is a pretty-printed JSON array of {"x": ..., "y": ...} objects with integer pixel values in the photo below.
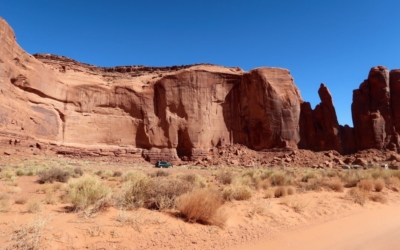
[{"x": 335, "y": 42}]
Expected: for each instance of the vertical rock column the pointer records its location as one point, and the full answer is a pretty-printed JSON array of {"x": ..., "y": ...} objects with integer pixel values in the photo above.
[
  {"x": 372, "y": 116},
  {"x": 319, "y": 128}
]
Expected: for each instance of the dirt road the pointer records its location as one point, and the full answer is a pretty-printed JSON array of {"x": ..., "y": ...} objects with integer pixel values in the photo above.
[{"x": 369, "y": 230}]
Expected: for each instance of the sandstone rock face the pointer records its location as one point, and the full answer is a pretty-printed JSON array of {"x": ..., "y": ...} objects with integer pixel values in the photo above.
[
  {"x": 181, "y": 112},
  {"x": 375, "y": 109},
  {"x": 168, "y": 112},
  {"x": 394, "y": 77},
  {"x": 264, "y": 110},
  {"x": 319, "y": 128}
]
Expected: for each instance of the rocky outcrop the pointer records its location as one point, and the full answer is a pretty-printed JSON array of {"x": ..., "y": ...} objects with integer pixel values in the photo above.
[
  {"x": 374, "y": 111},
  {"x": 181, "y": 112},
  {"x": 320, "y": 130},
  {"x": 263, "y": 111},
  {"x": 168, "y": 112}
]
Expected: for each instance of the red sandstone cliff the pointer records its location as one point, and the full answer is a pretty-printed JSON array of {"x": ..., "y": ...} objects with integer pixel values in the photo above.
[
  {"x": 166, "y": 111},
  {"x": 182, "y": 111}
]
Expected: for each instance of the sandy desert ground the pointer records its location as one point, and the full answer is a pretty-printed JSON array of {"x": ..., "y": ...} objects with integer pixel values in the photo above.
[{"x": 292, "y": 208}]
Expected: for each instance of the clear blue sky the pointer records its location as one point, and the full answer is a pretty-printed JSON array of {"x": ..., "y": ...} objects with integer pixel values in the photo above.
[{"x": 334, "y": 41}]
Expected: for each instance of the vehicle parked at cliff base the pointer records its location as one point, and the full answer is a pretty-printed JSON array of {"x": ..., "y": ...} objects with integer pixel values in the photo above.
[{"x": 163, "y": 164}]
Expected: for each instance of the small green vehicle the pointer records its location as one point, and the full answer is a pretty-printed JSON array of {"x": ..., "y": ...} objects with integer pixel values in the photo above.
[{"x": 163, "y": 164}]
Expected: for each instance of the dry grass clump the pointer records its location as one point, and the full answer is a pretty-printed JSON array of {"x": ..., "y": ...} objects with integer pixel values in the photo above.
[
  {"x": 142, "y": 191},
  {"x": 309, "y": 175},
  {"x": 29, "y": 236},
  {"x": 21, "y": 200},
  {"x": 14, "y": 190},
  {"x": 237, "y": 192},
  {"x": 202, "y": 206},
  {"x": 352, "y": 177},
  {"x": 134, "y": 189},
  {"x": 117, "y": 174},
  {"x": 225, "y": 176},
  {"x": 335, "y": 184},
  {"x": 161, "y": 194},
  {"x": 54, "y": 174},
  {"x": 280, "y": 179},
  {"x": 265, "y": 184},
  {"x": 5, "y": 202},
  {"x": 280, "y": 192},
  {"x": 393, "y": 183},
  {"x": 34, "y": 206},
  {"x": 366, "y": 184},
  {"x": 87, "y": 191},
  {"x": 378, "y": 197},
  {"x": 290, "y": 190},
  {"x": 196, "y": 180},
  {"x": 78, "y": 172},
  {"x": 50, "y": 199},
  {"x": 159, "y": 173},
  {"x": 298, "y": 204},
  {"x": 314, "y": 184},
  {"x": 379, "y": 185},
  {"x": 358, "y": 195}
]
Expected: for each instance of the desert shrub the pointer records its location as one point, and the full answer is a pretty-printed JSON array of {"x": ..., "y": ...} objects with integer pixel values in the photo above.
[
  {"x": 159, "y": 173},
  {"x": 14, "y": 190},
  {"x": 243, "y": 181},
  {"x": 162, "y": 193},
  {"x": 50, "y": 199},
  {"x": 379, "y": 185},
  {"x": 308, "y": 175},
  {"x": 299, "y": 204},
  {"x": 358, "y": 195},
  {"x": 117, "y": 174},
  {"x": 332, "y": 173},
  {"x": 106, "y": 174},
  {"x": 378, "y": 197},
  {"x": 393, "y": 183},
  {"x": 34, "y": 206},
  {"x": 314, "y": 184},
  {"x": 78, "y": 172},
  {"x": 134, "y": 189},
  {"x": 395, "y": 173},
  {"x": 21, "y": 200},
  {"x": 352, "y": 177},
  {"x": 87, "y": 191},
  {"x": 5, "y": 202},
  {"x": 202, "y": 206},
  {"x": 29, "y": 235},
  {"x": 265, "y": 184},
  {"x": 335, "y": 184},
  {"x": 20, "y": 172},
  {"x": 54, "y": 174},
  {"x": 290, "y": 191},
  {"x": 196, "y": 180},
  {"x": 142, "y": 191},
  {"x": 366, "y": 184},
  {"x": 280, "y": 179},
  {"x": 280, "y": 191},
  {"x": 225, "y": 176},
  {"x": 265, "y": 174},
  {"x": 237, "y": 192}
]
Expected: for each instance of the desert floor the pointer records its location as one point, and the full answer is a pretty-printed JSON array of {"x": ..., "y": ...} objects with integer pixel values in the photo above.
[{"x": 315, "y": 214}]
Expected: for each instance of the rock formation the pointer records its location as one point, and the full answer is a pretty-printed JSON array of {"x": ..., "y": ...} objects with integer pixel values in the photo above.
[
  {"x": 168, "y": 112},
  {"x": 375, "y": 110},
  {"x": 320, "y": 129},
  {"x": 180, "y": 112}
]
